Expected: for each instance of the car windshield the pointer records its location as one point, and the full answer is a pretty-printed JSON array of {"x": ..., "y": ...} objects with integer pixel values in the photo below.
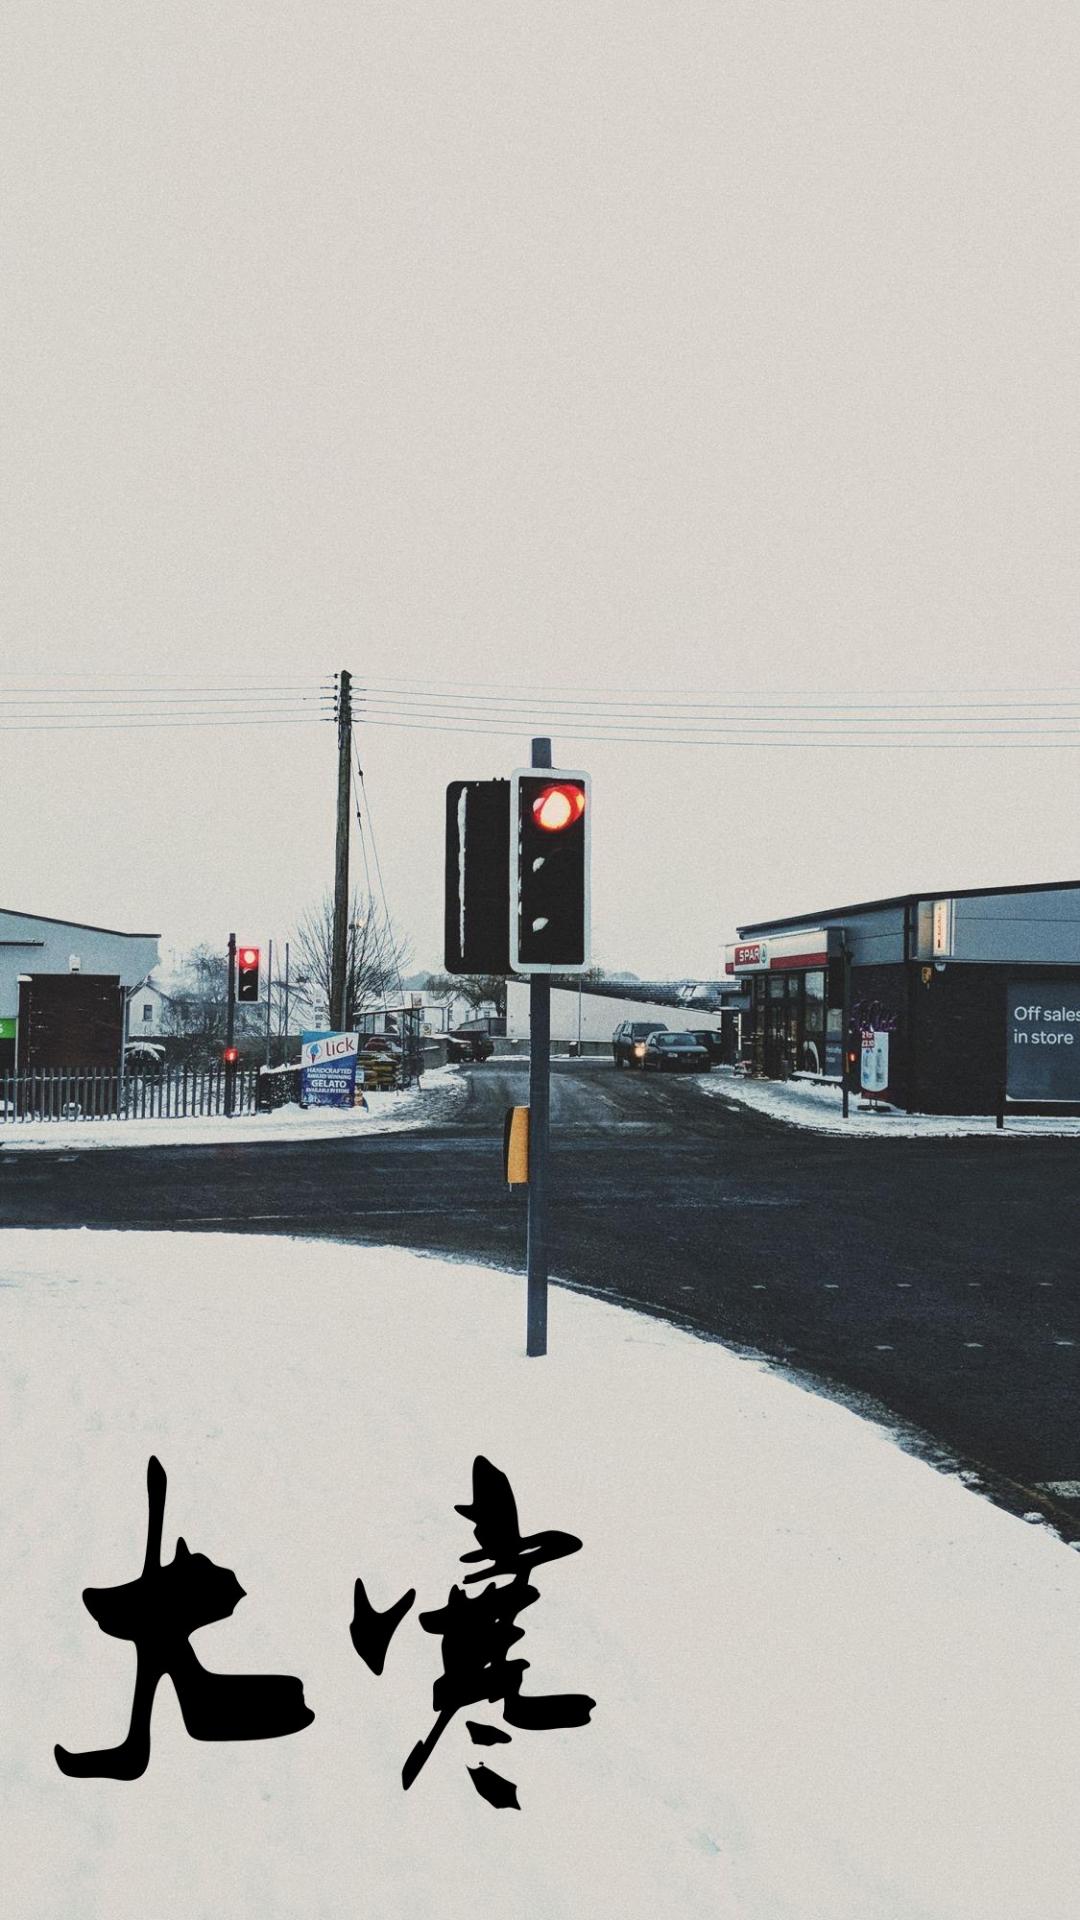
[
  {"x": 641, "y": 1028},
  {"x": 676, "y": 1040}
]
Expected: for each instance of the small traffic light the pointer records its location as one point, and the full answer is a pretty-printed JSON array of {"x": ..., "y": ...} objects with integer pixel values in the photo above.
[
  {"x": 477, "y": 926},
  {"x": 230, "y": 1055},
  {"x": 247, "y": 973},
  {"x": 549, "y": 919}
]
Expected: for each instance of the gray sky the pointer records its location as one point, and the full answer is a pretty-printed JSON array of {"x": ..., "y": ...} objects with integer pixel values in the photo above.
[{"x": 601, "y": 345}]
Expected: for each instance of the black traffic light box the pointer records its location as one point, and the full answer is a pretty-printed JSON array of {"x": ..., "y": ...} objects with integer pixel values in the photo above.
[
  {"x": 549, "y": 923},
  {"x": 247, "y": 973},
  {"x": 477, "y": 930}
]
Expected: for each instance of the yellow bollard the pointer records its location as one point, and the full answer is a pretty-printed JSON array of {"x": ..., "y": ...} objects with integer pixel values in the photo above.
[{"x": 516, "y": 1146}]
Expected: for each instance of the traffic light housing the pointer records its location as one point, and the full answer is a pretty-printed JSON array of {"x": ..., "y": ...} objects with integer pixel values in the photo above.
[
  {"x": 477, "y": 926},
  {"x": 549, "y": 918},
  {"x": 247, "y": 973}
]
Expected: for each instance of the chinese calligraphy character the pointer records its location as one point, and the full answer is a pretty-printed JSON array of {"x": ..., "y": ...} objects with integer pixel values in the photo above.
[
  {"x": 159, "y": 1612},
  {"x": 478, "y": 1631}
]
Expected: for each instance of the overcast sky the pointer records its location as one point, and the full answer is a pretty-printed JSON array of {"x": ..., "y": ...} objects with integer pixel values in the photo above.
[{"x": 663, "y": 344}]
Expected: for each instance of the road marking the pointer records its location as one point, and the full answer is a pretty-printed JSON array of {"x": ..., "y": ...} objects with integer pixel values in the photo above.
[
  {"x": 1046, "y": 1283},
  {"x": 973, "y": 1343},
  {"x": 974, "y": 1283},
  {"x": 903, "y": 1285},
  {"x": 884, "y": 1349},
  {"x": 832, "y": 1286},
  {"x": 759, "y": 1286},
  {"x": 1060, "y": 1489},
  {"x": 1064, "y": 1343}
]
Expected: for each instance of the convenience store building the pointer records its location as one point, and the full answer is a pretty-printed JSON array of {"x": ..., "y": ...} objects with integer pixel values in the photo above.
[{"x": 951, "y": 1000}]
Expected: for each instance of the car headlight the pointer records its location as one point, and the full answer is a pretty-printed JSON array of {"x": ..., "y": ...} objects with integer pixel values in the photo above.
[{"x": 639, "y": 1051}]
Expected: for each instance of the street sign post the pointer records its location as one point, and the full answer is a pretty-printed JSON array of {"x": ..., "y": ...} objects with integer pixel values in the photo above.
[{"x": 517, "y": 900}]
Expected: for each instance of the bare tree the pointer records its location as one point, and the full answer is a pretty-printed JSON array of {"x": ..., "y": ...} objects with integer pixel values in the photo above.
[{"x": 375, "y": 959}]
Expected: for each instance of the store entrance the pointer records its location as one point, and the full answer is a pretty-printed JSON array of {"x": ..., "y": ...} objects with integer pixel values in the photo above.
[{"x": 794, "y": 1024}]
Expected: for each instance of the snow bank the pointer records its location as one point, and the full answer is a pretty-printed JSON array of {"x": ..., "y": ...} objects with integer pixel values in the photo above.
[
  {"x": 428, "y": 1104},
  {"x": 831, "y": 1683},
  {"x": 801, "y": 1103}
]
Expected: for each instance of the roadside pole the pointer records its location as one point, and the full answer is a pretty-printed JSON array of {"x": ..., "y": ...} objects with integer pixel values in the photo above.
[
  {"x": 845, "y": 1017},
  {"x": 539, "y": 1111},
  {"x": 230, "y": 1027},
  {"x": 269, "y": 994}
]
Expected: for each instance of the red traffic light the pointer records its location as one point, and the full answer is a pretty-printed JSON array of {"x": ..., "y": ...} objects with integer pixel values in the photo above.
[
  {"x": 247, "y": 973},
  {"x": 558, "y": 806},
  {"x": 230, "y": 1055}
]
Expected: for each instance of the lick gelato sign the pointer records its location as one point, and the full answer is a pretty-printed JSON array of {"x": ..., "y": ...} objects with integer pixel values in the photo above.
[{"x": 328, "y": 1069}]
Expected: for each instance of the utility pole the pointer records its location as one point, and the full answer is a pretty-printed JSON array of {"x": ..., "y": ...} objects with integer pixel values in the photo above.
[
  {"x": 339, "y": 954},
  {"x": 285, "y": 1035},
  {"x": 536, "y": 1259}
]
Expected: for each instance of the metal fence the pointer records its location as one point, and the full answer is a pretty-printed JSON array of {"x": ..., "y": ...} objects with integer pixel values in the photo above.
[{"x": 94, "y": 1094}]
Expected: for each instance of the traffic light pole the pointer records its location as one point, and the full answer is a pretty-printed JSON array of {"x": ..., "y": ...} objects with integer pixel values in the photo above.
[
  {"x": 539, "y": 1112},
  {"x": 845, "y": 1020},
  {"x": 230, "y": 1026}
]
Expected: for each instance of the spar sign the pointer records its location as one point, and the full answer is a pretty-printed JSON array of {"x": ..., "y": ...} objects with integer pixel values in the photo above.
[{"x": 328, "y": 1069}]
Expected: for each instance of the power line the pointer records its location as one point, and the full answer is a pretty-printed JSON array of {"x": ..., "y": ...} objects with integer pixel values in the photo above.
[
  {"x": 764, "y": 703},
  {"x": 750, "y": 727},
  {"x": 120, "y": 726},
  {"x": 499, "y": 689},
  {"x": 849, "y": 741}
]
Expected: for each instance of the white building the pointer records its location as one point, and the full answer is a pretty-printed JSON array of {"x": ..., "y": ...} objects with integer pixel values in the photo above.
[
  {"x": 33, "y": 943},
  {"x": 592, "y": 1017}
]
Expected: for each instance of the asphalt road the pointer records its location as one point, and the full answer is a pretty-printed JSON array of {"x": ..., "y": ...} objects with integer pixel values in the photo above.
[{"x": 937, "y": 1279}]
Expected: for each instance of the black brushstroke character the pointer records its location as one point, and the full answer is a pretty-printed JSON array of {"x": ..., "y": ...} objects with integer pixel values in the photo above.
[
  {"x": 478, "y": 1631},
  {"x": 160, "y": 1611}
]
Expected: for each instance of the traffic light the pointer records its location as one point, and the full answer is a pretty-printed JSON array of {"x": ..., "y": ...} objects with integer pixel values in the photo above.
[
  {"x": 247, "y": 973},
  {"x": 230, "y": 1055},
  {"x": 477, "y": 927},
  {"x": 549, "y": 919}
]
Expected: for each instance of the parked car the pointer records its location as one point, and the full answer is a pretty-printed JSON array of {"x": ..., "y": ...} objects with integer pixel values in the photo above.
[
  {"x": 469, "y": 1043},
  {"x": 675, "y": 1053},
  {"x": 711, "y": 1039},
  {"x": 628, "y": 1041}
]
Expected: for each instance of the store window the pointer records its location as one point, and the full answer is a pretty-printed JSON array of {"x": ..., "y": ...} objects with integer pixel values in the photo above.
[{"x": 812, "y": 1041}]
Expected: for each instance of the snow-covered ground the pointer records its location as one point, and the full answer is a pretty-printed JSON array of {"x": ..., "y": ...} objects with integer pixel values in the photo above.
[
  {"x": 801, "y": 1103},
  {"x": 830, "y": 1683},
  {"x": 433, "y": 1101}
]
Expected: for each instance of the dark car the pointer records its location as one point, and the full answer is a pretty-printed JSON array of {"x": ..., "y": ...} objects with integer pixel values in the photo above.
[
  {"x": 469, "y": 1043},
  {"x": 711, "y": 1039},
  {"x": 628, "y": 1041},
  {"x": 675, "y": 1053}
]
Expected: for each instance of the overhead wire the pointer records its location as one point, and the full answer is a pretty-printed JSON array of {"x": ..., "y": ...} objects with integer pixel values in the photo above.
[
  {"x": 580, "y": 701},
  {"x": 506, "y": 730}
]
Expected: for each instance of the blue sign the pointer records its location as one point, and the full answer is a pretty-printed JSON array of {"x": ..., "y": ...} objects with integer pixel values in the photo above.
[{"x": 328, "y": 1069}]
